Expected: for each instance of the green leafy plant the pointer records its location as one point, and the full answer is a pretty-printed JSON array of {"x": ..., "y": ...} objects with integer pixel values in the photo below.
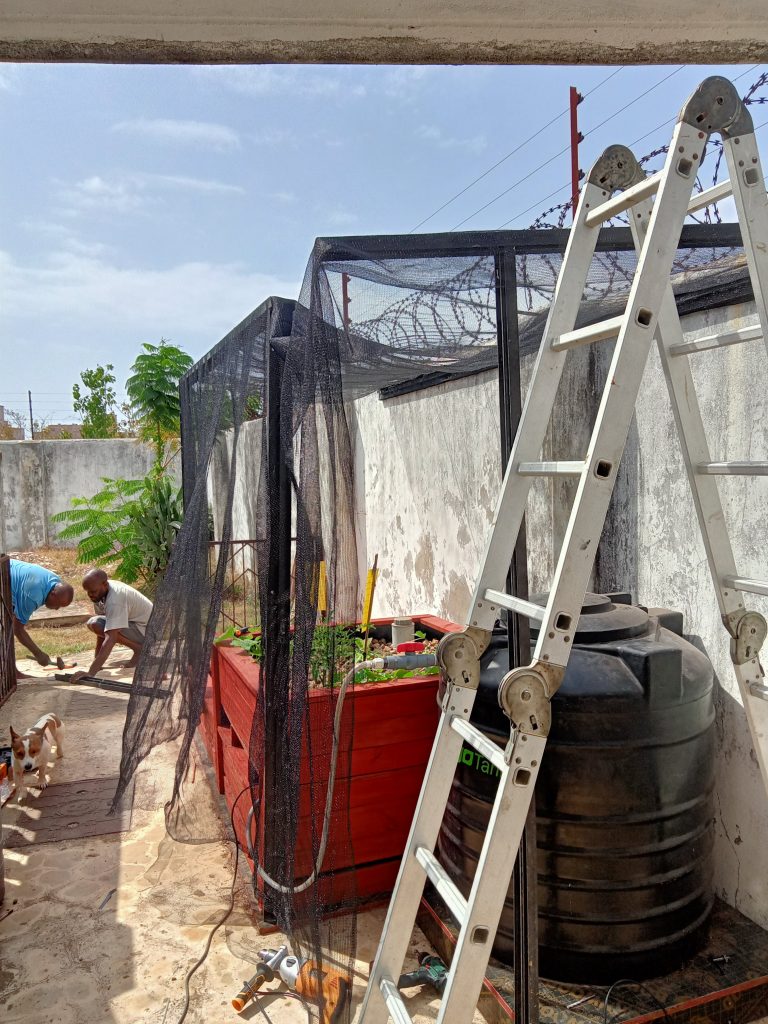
[
  {"x": 156, "y": 522},
  {"x": 153, "y": 390},
  {"x": 95, "y": 400},
  {"x": 103, "y": 526},
  {"x": 131, "y": 523},
  {"x": 253, "y": 408}
]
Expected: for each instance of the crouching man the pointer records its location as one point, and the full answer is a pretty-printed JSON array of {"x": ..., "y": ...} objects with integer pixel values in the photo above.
[{"x": 122, "y": 614}]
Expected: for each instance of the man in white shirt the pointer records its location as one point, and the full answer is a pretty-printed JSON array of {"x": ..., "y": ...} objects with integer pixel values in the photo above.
[{"x": 122, "y": 614}]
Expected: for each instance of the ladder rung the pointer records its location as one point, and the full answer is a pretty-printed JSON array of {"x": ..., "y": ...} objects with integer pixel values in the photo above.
[
  {"x": 601, "y": 331},
  {"x": 394, "y": 1001},
  {"x": 623, "y": 201},
  {"x": 746, "y": 585},
  {"x": 515, "y": 604},
  {"x": 709, "y": 196},
  {"x": 551, "y": 468},
  {"x": 733, "y": 468},
  {"x": 759, "y": 690},
  {"x": 717, "y": 341},
  {"x": 490, "y": 751},
  {"x": 447, "y": 889},
  {"x": 645, "y": 189}
]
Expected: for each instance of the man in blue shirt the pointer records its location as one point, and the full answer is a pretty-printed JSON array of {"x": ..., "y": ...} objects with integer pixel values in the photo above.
[{"x": 32, "y": 586}]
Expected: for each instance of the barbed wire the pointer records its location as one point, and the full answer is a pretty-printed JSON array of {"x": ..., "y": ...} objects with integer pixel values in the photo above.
[
  {"x": 756, "y": 95},
  {"x": 446, "y": 313}
]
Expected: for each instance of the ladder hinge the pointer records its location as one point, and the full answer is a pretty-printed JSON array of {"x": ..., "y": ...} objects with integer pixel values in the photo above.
[
  {"x": 525, "y": 695},
  {"x": 458, "y": 655},
  {"x": 748, "y": 631},
  {"x": 716, "y": 106},
  {"x": 616, "y": 169}
]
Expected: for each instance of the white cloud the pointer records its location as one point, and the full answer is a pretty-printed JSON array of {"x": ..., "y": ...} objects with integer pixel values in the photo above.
[
  {"x": 194, "y": 133},
  {"x": 272, "y": 80},
  {"x": 431, "y": 133},
  {"x": 131, "y": 193},
  {"x": 339, "y": 218},
  {"x": 283, "y": 197},
  {"x": 192, "y": 184},
  {"x": 403, "y": 82},
  {"x": 9, "y": 77},
  {"x": 97, "y": 194},
  {"x": 91, "y": 294}
]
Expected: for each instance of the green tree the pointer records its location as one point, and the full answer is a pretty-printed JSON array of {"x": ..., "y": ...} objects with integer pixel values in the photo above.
[
  {"x": 96, "y": 401},
  {"x": 153, "y": 390}
]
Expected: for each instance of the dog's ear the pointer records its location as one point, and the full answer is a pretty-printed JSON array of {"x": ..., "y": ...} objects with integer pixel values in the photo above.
[{"x": 14, "y": 735}]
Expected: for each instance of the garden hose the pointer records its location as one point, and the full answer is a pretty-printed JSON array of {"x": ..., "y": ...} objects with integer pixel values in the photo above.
[{"x": 392, "y": 661}]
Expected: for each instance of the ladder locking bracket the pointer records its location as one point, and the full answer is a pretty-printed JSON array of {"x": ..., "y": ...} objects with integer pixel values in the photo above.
[
  {"x": 716, "y": 106},
  {"x": 616, "y": 169},
  {"x": 525, "y": 695},
  {"x": 748, "y": 632},
  {"x": 458, "y": 655}
]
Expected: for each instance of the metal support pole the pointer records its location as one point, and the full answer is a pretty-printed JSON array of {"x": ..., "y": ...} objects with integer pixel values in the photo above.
[
  {"x": 524, "y": 878},
  {"x": 576, "y": 138},
  {"x": 31, "y": 421},
  {"x": 276, "y": 627}
]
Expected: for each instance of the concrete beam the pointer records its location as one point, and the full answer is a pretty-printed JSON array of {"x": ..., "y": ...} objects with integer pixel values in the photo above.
[{"x": 384, "y": 31}]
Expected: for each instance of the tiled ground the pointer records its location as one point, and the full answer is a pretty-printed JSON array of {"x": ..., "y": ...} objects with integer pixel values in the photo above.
[{"x": 69, "y": 957}]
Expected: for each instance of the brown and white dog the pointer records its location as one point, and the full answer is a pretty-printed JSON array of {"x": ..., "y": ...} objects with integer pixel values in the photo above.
[{"x": 32, "y": 749}]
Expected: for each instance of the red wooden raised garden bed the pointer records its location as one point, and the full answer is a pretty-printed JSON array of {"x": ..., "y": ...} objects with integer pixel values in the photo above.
[{"x": 394, "y": 727}]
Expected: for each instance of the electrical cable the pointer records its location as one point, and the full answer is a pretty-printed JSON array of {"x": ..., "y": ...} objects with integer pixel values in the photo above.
[
  {"x": 671, "y": 120},
  {"x": 196, "y": 966},
  {"x": 565, "y": 149},
  {"x": 289, "y": 889},
  {"x": 637, "y": 984},
  {"x": 512, "y": 152},
  {"x": 374, "y": 663}
]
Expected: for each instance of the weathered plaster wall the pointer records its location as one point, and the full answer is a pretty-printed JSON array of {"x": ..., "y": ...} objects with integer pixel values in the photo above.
[
  {"x": 732, "y": 384},
  {"x": 428, "y": 472},
  {"x": 383, "y": 31},
  {"x": 39, "y": 478},
  {"x": 246, "y": 484}
]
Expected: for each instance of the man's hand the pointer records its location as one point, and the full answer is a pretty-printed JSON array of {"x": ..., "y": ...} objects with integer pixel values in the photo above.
[
  {"x": 76, "y": 676},
  {"x": 42, "y": 659}
]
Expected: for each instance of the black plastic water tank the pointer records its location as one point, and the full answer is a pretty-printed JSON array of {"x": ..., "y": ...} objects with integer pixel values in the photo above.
[{"x": 624, "y": 798}]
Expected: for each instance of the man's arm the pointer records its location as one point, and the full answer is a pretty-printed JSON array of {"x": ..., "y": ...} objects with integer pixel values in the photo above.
[
  {"x": 21, "y": 634},
  {"x": 110, "y": 638}
]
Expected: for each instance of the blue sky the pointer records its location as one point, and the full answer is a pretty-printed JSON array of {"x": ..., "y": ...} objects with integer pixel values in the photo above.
[{"x": 146, "y": 202}]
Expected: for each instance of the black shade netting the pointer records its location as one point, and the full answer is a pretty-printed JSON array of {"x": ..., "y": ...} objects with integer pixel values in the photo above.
[{"x": 372, "y": 314}]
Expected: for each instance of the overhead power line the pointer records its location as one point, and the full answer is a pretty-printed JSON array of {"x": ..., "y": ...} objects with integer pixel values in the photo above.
[
  {"x": 565, "y": 149},
  {"x": 511, "y": 153},
  {"x": 540, "y": 202}
]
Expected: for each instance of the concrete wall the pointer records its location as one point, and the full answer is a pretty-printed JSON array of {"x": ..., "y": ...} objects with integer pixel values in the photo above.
[
  {"x": 384, "y": 31},
  {"x": 246, "y": 485},
  {"x": 428, "y": 474},
  {"x": 39, "y": 478}
]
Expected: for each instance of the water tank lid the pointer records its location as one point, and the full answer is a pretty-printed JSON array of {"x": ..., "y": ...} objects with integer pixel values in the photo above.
[{"x": 602, "y": 619}]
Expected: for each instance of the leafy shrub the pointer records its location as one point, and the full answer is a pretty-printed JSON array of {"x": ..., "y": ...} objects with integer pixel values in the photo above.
[{"x": 131, "y": 523}]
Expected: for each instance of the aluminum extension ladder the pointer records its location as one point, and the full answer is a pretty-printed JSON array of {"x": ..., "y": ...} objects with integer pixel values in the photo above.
[{"x": 525, "y": 693}]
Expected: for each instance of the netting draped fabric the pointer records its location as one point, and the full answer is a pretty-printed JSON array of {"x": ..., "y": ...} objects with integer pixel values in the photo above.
[{"x": 372, "y": 314}]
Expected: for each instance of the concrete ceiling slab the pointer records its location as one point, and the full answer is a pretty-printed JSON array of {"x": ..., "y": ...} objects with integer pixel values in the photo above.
[{"x": 384, "y": 31}]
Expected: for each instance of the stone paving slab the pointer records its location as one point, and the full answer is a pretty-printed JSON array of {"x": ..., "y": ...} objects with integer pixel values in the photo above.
[{"x": 103, "y": 929}]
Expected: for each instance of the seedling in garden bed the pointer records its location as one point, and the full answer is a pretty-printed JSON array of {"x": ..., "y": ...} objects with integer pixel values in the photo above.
[{"x": 335, "y": 646}]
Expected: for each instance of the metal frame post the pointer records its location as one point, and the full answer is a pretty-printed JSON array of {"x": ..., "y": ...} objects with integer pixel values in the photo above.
[
  {"x": 525, "y": 875},
  {"x": 276, "y": 627}
]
